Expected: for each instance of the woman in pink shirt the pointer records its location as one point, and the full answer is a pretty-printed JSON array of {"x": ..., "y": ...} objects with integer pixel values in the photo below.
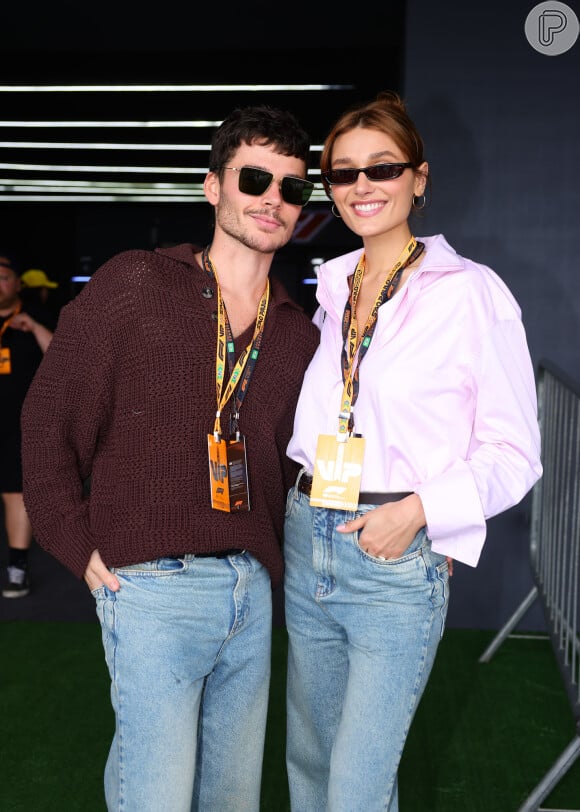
[{"x": 416, "y": 423}]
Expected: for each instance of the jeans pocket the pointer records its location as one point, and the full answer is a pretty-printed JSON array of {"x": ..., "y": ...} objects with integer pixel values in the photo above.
[
  {"x": 169, "y": 565},
  {"x": 413, "y": 550},
  {"x": 289, "y": 502}
]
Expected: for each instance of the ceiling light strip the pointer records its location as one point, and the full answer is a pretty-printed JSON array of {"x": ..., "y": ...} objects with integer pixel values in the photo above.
[
  {"x": 96, "y": 199},
  {"x": 153, "y": 170},
  {"x": 197, "y": 124},
  {"x": 167, "y": 88},
  {"x": 19, "y": 188},
  {"x": 95, "y": 145},
  {"x": 102, "y": 145},
  {"x": 193, "y": 191},
  {"x": 102, "y": 184}
]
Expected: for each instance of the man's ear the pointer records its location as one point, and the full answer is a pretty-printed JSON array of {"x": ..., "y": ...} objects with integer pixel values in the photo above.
[{"x": 211, "y": 188}]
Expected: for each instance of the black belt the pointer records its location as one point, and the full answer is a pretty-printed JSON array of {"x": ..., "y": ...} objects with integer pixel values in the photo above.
[
  {"x": 220, "y": 553},
  {"x": 364, "y": 498}
]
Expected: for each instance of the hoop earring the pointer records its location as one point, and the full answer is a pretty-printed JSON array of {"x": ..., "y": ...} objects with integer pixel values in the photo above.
[
  {"x": 335, "y": 212},
  {"x": 416, "y": 205}
]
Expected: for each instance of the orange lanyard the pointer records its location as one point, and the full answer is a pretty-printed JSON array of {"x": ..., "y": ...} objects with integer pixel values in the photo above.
[
  {"x": 356, "y": 344},
  {"x": 250, "y": 353},
  {"x": 243, "y": 368},
  {"x": 6, "y": 324}
]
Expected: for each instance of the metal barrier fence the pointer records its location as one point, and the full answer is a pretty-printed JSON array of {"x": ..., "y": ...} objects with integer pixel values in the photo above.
[{"x": 555, "y": 552}]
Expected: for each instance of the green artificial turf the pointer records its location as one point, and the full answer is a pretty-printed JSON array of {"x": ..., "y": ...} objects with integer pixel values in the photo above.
[{"x": 484, "y": 735}]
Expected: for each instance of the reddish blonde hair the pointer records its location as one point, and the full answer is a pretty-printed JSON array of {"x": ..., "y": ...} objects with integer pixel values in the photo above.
[{"x": 386, "y": 114}]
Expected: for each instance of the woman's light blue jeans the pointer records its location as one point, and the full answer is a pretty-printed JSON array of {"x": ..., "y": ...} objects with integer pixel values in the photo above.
[
  {"x": 187, "y": 642},
  {"x": 363, "y": 634}
]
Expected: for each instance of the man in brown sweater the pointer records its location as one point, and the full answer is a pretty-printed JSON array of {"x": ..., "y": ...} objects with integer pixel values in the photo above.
[{"x": 155, "y": 467}]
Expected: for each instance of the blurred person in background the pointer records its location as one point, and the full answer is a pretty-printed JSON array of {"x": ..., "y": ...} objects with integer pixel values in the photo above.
[
  {"x": 25, "y": 333},
  {"x": 38, "y": 289}
]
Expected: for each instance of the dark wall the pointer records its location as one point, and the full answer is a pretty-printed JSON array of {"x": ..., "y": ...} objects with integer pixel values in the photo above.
[{"x": 501, "y": 123}]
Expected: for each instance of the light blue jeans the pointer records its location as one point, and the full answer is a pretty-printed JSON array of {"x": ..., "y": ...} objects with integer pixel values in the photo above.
[
  {"x": 187, "y": 642},
  {"x": 363, "y": 634}
]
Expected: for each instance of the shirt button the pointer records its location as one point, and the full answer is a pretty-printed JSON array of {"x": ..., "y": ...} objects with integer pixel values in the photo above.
[
  {"x": 214, "y": 315},
  {"x": 207, "y": 293}
]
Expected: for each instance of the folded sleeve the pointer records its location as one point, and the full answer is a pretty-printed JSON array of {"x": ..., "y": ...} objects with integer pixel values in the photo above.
[{"x": 504, "y": 459}]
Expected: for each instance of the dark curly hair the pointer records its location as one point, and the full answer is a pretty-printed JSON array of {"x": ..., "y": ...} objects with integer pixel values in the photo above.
[{"x": 260, "y": 124}]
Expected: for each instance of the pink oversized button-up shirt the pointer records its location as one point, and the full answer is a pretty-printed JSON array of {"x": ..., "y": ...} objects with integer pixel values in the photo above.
[{"x": 447, "y": 398}]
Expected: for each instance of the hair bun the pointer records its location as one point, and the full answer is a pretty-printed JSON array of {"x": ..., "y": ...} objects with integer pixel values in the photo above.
[{"x": 392, "y": 100}]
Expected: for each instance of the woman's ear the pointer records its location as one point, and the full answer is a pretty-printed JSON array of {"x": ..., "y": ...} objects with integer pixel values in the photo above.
[{"x": 421, "y": 175}]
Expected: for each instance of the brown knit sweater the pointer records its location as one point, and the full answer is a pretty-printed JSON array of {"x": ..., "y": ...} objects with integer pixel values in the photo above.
[{"x": 126, "y": 396}]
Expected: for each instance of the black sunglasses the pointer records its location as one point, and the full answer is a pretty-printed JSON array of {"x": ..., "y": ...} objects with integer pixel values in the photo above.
[
  {"x": 254, "y": 181},
  {"x": 336, "y": 177}
]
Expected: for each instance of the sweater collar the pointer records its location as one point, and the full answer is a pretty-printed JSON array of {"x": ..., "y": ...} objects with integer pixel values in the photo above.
[{"x": 185, "y": 253}]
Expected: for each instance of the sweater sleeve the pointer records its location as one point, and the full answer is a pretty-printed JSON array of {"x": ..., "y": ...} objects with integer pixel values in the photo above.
[{"x": 65, "y": 410}]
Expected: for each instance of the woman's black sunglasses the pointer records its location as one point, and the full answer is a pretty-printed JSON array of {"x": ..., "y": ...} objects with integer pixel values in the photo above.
[
  {"x": 254, "y": 181},
  {"x": 336, "y": 177}
]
